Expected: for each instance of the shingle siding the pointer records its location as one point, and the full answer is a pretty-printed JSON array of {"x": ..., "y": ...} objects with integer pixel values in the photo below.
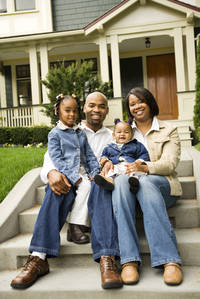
[{"x": 79, "y": 12}]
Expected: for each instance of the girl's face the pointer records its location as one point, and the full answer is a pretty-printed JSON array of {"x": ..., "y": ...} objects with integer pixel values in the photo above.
[
  {"x": 68, "y": 112},
  {"x": 122, "y": 132},
  {"x": 139, "y": 110}
]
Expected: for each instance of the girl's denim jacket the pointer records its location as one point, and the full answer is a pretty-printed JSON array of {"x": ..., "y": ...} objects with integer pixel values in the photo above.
[
  {"x": 130, "y": 151},
  {"x": 68, "y": 149}
]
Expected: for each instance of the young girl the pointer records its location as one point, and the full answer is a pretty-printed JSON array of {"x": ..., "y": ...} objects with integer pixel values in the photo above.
[
  {"x": 122, "y": 150},
  {"x": 70, "y": 152}
]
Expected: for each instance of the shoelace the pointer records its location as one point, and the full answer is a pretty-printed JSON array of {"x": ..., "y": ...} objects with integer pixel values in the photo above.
[
  {"x": 30, "y": 263},
  {"x": 108, "y": 264}
]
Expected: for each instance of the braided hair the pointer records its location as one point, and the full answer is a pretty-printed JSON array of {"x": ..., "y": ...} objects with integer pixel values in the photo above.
[
  {"x": 59, "y": 99},
  {"x": 117, "y": 120}
]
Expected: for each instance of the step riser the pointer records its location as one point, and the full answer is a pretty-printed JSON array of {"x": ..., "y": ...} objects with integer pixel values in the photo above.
[
  {"x": 188, "y": 185},
  {"x": 180, "y": 218}
]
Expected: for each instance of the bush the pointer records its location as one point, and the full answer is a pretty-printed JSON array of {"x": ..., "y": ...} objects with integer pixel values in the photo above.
[
  {"x": 198, "y": 133},
  {"x": 24, "y": 135},
  {"x": 70, "y": 81}
]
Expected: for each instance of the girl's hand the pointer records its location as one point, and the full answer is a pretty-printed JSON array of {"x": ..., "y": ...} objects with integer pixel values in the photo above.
[
  {"x": 58, "y": 182},
  {"x": 78, "y": 182},
  {"x": 136, "y": 166},
  {"x": 106, "y": 167},
  {"x": 103, "y": 160},
  {"x": 91, "y": 178}
]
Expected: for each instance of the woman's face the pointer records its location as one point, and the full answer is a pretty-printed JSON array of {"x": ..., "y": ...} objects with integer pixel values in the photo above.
[{"x": 139, "y": 110}]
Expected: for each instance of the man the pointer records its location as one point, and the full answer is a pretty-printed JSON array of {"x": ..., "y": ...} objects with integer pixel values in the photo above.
[{"x": 45, "y": 242}]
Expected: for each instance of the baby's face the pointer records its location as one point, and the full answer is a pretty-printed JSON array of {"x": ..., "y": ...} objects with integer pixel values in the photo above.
[{"x": 122, "y": 132}]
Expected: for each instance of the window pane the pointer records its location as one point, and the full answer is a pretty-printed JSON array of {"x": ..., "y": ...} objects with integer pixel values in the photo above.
[
  {"x": 94, "y": 68},
  {"x": 23, "y": 71},
  {"x": 24, "y": 92},
  {"x": 3, "y": 7},
  {"x": 66, "y": 63},
  {"x": 24, "y": 5}
]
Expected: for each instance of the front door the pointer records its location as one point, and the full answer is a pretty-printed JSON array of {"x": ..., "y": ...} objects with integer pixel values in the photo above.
[{"x": 162, "y": 84}]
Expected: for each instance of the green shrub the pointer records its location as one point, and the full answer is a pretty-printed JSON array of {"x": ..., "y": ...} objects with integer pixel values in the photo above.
[
  {"x": 24, "y": 135},
  {"x": 198, "y": 133}
]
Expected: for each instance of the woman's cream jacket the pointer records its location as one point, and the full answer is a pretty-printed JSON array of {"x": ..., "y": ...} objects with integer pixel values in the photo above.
[{"x": 165, "y": 150}]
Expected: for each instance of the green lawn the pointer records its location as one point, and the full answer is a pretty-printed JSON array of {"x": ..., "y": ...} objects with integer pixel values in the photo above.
[
  {"x": 197, "y": 146},
  {"x": 14, "y": 163}
]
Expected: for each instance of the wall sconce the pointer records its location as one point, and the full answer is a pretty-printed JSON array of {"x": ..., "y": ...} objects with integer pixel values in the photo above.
[{"x": 147, "y": 42}]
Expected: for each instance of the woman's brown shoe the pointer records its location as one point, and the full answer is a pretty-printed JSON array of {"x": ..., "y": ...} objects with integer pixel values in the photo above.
[
  {"x": 129, "y": 273},
  {"x": 172, "y": 274}
]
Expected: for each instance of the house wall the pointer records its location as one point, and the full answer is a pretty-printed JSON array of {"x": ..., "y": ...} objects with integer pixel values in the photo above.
[
  {"x": 83, "y": 11},
  {"x": 15, "y": 23}
]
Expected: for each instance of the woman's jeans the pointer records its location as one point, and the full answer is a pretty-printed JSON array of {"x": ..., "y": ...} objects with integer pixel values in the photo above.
[
  {"x": 154, "y": 197},
  {"x": 53, "y": 214}
]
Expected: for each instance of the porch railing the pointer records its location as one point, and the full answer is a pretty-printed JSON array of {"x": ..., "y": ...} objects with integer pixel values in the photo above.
[{"x": 15, "y": 117}]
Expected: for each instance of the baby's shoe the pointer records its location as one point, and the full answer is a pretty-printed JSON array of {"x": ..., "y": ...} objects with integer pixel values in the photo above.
[
  {"x": 134, "y": 184},
  {"x": 103, "y": 181}
]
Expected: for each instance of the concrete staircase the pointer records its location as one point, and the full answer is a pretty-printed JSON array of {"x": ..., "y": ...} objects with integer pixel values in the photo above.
[
  {"x": 184, "y": 130},
  {"x": 74, "y": 274}
]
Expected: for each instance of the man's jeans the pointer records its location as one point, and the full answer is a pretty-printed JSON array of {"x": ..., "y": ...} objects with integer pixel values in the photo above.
[
  {"x": 104, "y": 231},
  {"x": 53, "y": 214},
  {"x": 153, "y": 196}
]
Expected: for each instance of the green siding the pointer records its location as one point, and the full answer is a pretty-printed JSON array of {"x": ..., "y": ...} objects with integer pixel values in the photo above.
[{"x": 68, "y": 15}]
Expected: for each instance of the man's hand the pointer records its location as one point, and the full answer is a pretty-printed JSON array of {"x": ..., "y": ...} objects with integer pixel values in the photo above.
[
  {"x": 106, "y": 167},
  {"x": 58, "y": 182}
]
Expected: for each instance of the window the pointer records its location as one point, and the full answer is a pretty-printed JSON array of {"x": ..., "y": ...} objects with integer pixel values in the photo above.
[
  {"x": 24, "y": 84},
  {"x": 3, "y": 7},
  {"x": 24, "y": 5},
  {"x": 66, "y": 63}
]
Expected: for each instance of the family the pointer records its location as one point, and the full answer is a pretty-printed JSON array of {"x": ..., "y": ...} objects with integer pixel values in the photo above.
[{"x": 98, "y": 178}]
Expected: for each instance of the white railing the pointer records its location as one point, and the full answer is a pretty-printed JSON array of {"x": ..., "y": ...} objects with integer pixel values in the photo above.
[{"x": 15, "y": 117}]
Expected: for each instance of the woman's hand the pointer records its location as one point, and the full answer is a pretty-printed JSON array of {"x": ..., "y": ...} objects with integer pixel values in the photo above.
[
  {"x": 107, "y": 166},
  {"x": 136, "y": 166},
  {"x": 58, "y": 182}
]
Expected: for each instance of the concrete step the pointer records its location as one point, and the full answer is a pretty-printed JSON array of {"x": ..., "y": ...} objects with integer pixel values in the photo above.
[
  {"x": 14, "y": 252},
  {"x": 185, "y": 166},
  {"x": 188, "y": 185},
  {"x": 86, "y": 283},
  {"x": 184, "y": 214}
]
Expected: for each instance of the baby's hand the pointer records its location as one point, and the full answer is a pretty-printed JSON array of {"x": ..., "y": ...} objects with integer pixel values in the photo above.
[
  {"x": 78, "y": 182},
  {"x": 103, "y": 160}
]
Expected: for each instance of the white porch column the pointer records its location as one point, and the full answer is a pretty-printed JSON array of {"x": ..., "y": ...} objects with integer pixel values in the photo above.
[
  {"x": 44, "y": 61},
  {"x": 103, "y": 54},
  {"x": 115, "y": 66},
  {"x": 191, "y": 61},
  {"x": 35, "y": 87},
  {"x": 14, "y": 86},
  {"x": 3, "y": 92},
  {"x": 179, "y": 60}
]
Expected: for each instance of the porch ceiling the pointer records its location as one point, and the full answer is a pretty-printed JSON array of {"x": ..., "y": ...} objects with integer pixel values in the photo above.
[{"x": 127, "y": 46}]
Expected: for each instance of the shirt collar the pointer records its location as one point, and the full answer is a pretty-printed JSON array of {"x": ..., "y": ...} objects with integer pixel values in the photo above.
[
  {"x": 64, "y": 127},
  {"x": 83, "y": 126},
  {"x": 154, "y": 127}
]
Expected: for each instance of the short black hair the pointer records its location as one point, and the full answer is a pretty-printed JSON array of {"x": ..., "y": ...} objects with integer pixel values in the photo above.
[{"x": 145, "y": 96}]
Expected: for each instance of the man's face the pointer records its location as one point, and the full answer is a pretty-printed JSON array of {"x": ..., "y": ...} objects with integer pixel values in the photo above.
[{"x": 96, "y": 109}]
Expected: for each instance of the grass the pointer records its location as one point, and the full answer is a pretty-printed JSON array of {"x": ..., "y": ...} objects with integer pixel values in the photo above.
[
  {"x": 197, "y": 146},
  {"x": 14, "y": 163}
]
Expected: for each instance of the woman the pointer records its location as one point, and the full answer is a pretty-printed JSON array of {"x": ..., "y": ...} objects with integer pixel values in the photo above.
[{"x": 157, "y": 191}]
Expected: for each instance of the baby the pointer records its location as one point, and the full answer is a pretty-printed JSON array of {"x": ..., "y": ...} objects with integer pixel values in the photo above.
[{"x": 122, "y": 150}]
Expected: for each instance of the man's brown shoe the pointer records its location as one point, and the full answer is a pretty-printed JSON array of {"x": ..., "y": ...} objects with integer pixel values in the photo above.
[
  {"x": 75, "y": 234},
  {"x": 172, "y": 274},
  {"x": 103, "y": 181},
  {"x": 130, "y": 273},
  {"x": 110, "y": 277},
  {"x": 34, "y": 268}
]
